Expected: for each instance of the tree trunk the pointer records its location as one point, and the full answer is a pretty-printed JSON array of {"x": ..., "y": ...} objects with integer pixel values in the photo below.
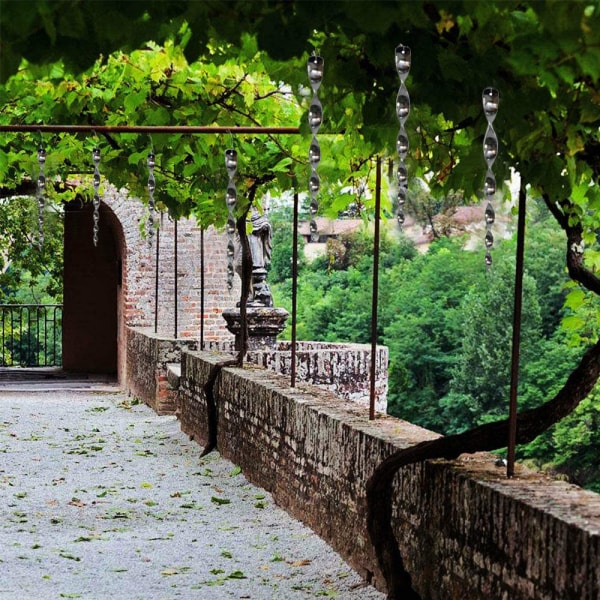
[
  {"x": 490, "y": 436},
  {"x": 246, "y": 278}
]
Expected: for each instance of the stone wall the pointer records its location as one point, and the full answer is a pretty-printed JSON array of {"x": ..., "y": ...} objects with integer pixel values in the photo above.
[
  {"x": 343, "y": 369},
  {"x": 149, "y": 355},
  {"x": 466, "y": 532}
]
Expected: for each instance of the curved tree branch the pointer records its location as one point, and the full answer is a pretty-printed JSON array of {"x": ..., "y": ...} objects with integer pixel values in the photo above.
[
  {"x": 490, "y": 436},
  {"x": 577, "y": 270},
  {"x": 574, "y": 258}
]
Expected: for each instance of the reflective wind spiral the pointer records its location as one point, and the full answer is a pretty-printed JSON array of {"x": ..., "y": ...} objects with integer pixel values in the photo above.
[
  {"x": 315, "y": 67},
  {"x": 231, "y": 200},
  {"x": 491, "y": 101},
  {"x": 403, "y": 59},
  {"x": 96, "y": 182},
  {"x": 41, "y": 195},
  {"x": 151, "y": 187}
]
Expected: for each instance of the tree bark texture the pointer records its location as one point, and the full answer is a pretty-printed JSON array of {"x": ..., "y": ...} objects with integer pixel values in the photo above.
[
  {"x": 246, "y": 278},
  {"x": 490, "y": 436}
]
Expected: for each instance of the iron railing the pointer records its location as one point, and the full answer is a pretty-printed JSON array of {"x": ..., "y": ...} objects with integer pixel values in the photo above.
[{"x": 31, "y": 335}]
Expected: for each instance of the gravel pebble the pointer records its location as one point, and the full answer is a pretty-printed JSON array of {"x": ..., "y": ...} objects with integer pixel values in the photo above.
[{"x": 104, "y": 499}]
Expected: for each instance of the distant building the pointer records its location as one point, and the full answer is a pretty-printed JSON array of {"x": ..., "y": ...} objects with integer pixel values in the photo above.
[{"x": 328, "y": 228}]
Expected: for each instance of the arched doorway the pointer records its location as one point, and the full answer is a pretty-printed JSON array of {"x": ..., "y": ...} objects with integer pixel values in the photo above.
[{"x": 91, "y": 284}]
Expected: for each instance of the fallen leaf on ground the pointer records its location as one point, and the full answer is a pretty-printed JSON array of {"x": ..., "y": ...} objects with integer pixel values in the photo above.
[{"x": 300, "y": 563}]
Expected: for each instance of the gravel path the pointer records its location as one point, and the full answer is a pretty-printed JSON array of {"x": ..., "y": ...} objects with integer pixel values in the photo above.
[{"x": 100, "y": 499}]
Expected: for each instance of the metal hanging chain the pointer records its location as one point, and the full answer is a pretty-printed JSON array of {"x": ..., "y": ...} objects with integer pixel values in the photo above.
[
  {"x": 231, "y": 201},
  {"x": 96, "y": 181},
  {"x": 491, "y": 101},
  {"x": 41, "y": 195},
  {"x": 151, "y": 188},
  {"x": 315, "y": 67},
  {"x": 403, "y": 62}
]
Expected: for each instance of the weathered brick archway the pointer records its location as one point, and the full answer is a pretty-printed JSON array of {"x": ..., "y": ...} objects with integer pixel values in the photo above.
[{"x": 112, "y": 287}]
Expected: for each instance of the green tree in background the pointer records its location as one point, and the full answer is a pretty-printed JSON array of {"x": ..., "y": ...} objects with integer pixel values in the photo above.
[
  {"x": 432, "y": 213},
  {"x": 424, "y": 329},
  {"x": 281, "y": 220},
  {"x": 481, "y": 375},
  {"x": 28, "y": 273}
]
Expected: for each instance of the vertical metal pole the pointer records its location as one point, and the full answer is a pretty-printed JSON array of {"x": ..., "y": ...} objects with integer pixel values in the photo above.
[
  {"x": 202, "y": 289},
  {"x": 516, "y": 336},
  {"x": 175, "y": 252},
  {"x": 156, "y": 281},
  {"x": 294, "y": 288},
  {"x": 29, "y": 352},
  {"x": 375, "y": 287}
]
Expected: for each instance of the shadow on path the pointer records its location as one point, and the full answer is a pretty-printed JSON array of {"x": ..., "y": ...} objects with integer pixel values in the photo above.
[{"x": 22, "y": 379}]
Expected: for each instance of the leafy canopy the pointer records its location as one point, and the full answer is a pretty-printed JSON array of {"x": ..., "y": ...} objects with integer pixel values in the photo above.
[
  {"x": 243, "y": 63},
  {"x": 156, "y": 86},
  {"x": 543, "y": 56}
]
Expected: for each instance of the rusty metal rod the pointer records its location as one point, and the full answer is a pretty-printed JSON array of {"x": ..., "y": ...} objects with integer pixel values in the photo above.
[
  {"x": 375, "y": 287},
  {"x": 183, "y": 129},
  {"x": 516, "y": 334},
  {"x": 176, "y": 269},
  {"x": 156, "y": 279},
  {"x": 202, "y": 288},
  {"x": 294, "y": 288}
]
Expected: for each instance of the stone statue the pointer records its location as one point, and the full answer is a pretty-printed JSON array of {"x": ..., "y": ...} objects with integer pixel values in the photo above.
[
  {"x": 261, "y": 245},
  {"x": 261, "y": 240},
  {"x": 264, "y": 321}
]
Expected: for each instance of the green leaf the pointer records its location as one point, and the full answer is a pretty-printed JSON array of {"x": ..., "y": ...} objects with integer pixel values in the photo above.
[
  {"x": 282, "y": 165},
  {"x": 236, "y": 575},
  {"x": 575, "y": 299},
  {"x": 573, "y": 323},
  {"x": 220, "y": 501}
]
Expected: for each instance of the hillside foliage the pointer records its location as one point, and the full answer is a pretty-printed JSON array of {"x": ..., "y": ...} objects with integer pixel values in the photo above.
[{"x": 448, "y": 327}]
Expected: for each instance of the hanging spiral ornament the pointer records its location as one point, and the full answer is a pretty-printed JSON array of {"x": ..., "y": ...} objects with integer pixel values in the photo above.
[
  {"x": 41, "y": 194},
  {"x": 151, "y": 188},
  {"x": 491, "y": 101},
  {"x": 231, "y": 200},
  {"x": 315, "y": 66},
  {"x": 96, "y": 182},
  {"x": 403, "y": 60}
]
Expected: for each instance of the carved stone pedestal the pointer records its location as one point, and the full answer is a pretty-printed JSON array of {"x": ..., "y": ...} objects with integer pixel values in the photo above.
[{"x": 265, "y": 323}]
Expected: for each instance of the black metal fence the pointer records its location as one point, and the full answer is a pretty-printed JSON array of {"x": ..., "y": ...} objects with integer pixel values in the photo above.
[{"x": 31, "y": 335}]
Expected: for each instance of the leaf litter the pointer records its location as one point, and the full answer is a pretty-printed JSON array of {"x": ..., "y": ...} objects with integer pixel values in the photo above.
[{"x": 113, "y": 489}]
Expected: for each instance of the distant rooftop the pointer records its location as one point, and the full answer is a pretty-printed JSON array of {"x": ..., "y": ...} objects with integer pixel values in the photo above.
[{"x": 328, "y": 227}]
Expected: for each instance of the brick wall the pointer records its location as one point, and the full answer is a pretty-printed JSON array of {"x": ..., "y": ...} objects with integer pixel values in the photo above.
[
  {"x": 139, "y": 272},
  {"x": 466, "y": 532},
  {"x": 149, "y": 355},
  {"x": 136, "y": 298}
]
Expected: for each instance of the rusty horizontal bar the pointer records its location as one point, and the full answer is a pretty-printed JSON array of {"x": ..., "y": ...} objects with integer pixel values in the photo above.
[{"x": 183, "y": 129}]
